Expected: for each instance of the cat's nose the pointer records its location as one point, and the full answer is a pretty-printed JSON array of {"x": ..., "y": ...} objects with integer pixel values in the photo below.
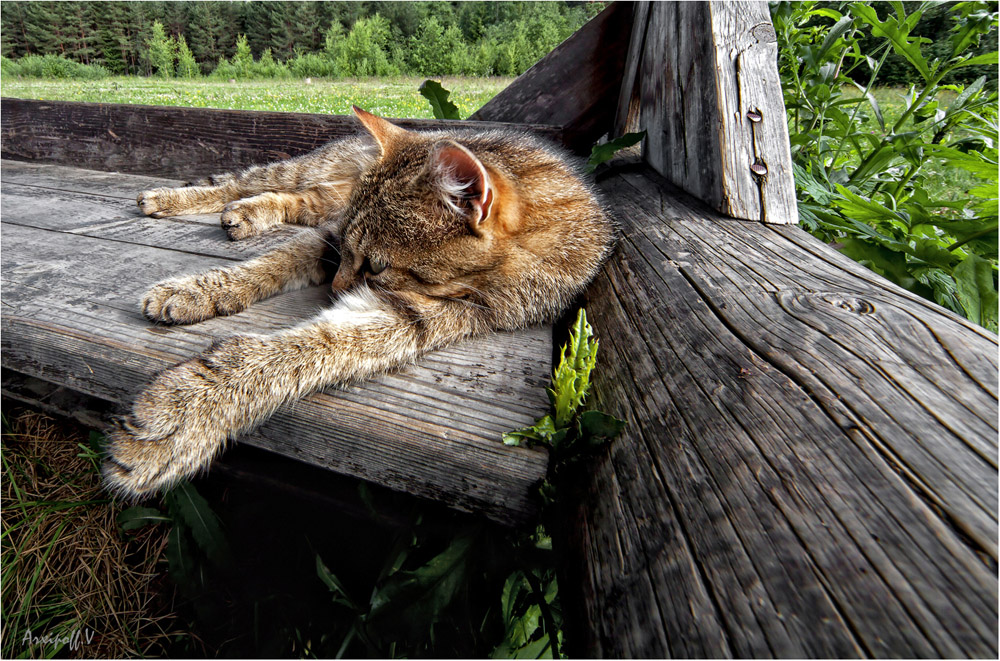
[{"x": 341, "y": 281}]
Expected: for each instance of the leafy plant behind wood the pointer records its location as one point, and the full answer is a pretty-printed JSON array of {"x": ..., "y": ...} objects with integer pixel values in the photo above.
[
  {"x": 437, "y": 96},
  {"x": 869, "y": 181},
  {"x": 605, "y": 152}
]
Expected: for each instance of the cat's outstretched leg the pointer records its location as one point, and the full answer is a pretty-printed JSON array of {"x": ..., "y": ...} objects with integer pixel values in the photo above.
[
  {"x": 332, "y": 169},
  {"x": 304, "y": 261},
  {"x": 184, "y": 418},
  {"x": 252, "y": 215}
]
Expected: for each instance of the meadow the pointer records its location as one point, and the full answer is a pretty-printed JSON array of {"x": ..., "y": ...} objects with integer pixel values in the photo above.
[{"x": 387, "y": 97}]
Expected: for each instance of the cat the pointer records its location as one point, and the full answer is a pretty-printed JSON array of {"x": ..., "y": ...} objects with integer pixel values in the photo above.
[{"x": 430, "y": 237}]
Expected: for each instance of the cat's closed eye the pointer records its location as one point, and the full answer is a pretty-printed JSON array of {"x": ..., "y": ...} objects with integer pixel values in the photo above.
[{"x": 373, "y": 266}]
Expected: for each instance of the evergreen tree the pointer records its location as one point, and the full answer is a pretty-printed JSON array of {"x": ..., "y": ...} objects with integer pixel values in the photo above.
[
  {"x": 13, "y": 29},
  {"x": 255, "y": 22},
  {"x": 161, "y": 51},
  {"x": 305, "y": 23},
  {"x": 81, "y": 36},
  {"x": 282, "y": 30},
  {"x": 187, "y": 66},
  {"x": 205, "y": 31}
]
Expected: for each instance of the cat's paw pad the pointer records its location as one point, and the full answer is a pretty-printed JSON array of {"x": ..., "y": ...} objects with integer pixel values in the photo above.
[
  {"x": 174, "y": 302},
  {"x": 158, "y": 202},
  {"x": 237, "y": 219}
]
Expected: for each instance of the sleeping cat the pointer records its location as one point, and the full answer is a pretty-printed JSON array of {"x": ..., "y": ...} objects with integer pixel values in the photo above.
[{"x": 441, "y": 235}]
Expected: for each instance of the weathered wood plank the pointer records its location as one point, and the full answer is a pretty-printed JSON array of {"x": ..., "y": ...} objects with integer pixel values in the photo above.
[
  {"x": 177, "y": 142},
  {"x": 575, "y": 87},
  {"x": 815, "y": 445},
  {"x": 73, "y": 179},
  {"x": 711, "y": 103},
  {"x": 627, "y": 113},
  {"x": 71, "y": 316},
  {"x": 113, "y": 214}
]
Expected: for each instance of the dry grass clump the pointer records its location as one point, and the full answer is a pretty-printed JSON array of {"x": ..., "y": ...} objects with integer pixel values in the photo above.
[{"x": 66, "y": 566}]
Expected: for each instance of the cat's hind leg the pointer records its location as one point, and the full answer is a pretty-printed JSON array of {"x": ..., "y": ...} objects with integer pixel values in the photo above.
[
  {"x": 252, "y": 215},
  {"x": 304, "y": 261},
  {"x": 162, "y": 202},
  {"x": 337, "y": 165}
]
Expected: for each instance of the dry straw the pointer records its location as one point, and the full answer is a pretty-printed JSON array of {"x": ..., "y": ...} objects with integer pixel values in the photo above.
[{"x": 69, "y": 574}]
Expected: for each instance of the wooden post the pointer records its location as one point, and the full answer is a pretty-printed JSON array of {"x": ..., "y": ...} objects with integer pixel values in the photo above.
[{"x": 710, "y": 101}]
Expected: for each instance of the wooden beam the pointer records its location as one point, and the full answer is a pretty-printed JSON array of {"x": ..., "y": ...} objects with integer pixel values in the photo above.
[
  {"x": 810, "y": 463},
  {"x": 627, "y": 114},
  {"x": 575, "y": 87},
  {"x": 711, "y": 103},
  {"x": 77, "y": 255},
  {"x": 183, "y": 143}
]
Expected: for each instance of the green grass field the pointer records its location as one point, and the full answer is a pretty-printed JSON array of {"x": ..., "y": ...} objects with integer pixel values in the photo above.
[{"x": 387, "y": 97}]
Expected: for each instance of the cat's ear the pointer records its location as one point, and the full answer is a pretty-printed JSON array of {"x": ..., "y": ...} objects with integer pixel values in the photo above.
[
  {"x": 464, "y": 182},
  {"x": 385, "y": 132}
]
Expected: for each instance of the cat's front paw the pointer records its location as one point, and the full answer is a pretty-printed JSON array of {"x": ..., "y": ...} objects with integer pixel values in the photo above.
[
  {"x": 158, "y": 202},
  {"x": 169, "y": 435},
  {"x": 180, "y": 301},
  {"x": 179, "y": 423}
]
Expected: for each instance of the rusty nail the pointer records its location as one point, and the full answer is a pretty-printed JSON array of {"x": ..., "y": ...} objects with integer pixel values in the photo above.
[
  {"x": 759, "y": 169},
  {"x": 754, "y": 116}
]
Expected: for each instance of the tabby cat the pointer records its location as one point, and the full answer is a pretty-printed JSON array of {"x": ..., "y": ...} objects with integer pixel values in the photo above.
[{"x": 441, "y": 235}]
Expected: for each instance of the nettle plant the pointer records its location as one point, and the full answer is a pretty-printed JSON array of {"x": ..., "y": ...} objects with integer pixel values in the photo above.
[{"x": 908, "y": 188}]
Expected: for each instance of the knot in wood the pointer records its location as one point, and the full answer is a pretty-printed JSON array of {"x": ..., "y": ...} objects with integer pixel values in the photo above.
[
  {"x": 764, "y": 32},
  {"x": 850, "y": 303}
]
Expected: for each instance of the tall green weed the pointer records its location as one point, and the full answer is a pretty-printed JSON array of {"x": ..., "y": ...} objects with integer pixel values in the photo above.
[{"x": 868, "y": 180}]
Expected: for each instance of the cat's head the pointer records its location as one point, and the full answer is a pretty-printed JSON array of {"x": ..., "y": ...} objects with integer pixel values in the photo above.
[{"x": 428, "y": 218}]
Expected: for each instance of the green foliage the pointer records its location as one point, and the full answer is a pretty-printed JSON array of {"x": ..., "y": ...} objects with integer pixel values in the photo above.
[
  {"x": 161, "y": 51},
  {"x": 606, "y": 151},
  {"x": 195, "y": 541},
  {"x": 569, "y": 431},
  {"x": 868, "y": 175},
  {"x": 187, "y": 66},
  {"x": 50, "y": 66},
  {"x": 437, "y": 96},
  {"x": 311, "y": 65},
  {"x": 355, "y": 39},
  {"x": 364, "y": 51},
  {"x": 415, "y": 592}
]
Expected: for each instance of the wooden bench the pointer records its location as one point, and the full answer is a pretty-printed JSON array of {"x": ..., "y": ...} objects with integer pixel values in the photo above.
[{"x": 810, "y": 463}]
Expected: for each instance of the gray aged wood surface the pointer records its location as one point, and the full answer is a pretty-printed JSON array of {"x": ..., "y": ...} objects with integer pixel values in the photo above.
[
  {"x": 710, "y": 101},
  {"x": 810, "y": 463},
  {"x": 77, "y": 255},
  {"x": 183, "y": 143}
]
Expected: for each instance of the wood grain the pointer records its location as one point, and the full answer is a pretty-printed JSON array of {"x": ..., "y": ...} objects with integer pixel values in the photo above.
[
  {"x": 575, "y": 87},
  {"x": 71, "y": 288},
  {"x": 810, "y": 465},
  {"x": 711, "y": 103},
  {"x": 185, "y": 143}
]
